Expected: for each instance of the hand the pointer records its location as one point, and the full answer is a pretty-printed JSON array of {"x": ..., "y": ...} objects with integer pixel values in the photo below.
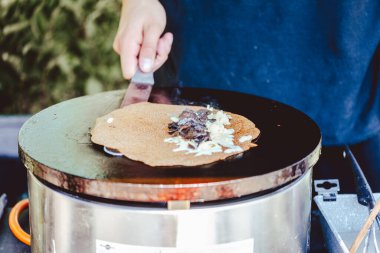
[{"x": 138, "y": 39}]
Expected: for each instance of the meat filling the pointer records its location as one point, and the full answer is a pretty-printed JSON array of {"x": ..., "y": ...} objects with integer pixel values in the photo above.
[{"x": 191, "y": 125}]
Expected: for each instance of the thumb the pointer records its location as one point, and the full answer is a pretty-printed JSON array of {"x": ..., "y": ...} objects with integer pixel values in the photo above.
[{"x": 149, "y": 48}]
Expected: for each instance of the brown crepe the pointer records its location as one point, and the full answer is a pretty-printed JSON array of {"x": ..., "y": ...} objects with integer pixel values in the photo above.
[{"x": 138, "y": 132}]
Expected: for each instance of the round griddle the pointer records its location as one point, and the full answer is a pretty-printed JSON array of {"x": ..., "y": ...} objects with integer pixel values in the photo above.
[{"x": 55, "y": 146}]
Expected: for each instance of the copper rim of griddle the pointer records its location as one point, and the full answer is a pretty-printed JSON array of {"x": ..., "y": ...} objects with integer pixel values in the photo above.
[
  {"x": 199, "y": 192},
  {"x": 48, "y": 162}
]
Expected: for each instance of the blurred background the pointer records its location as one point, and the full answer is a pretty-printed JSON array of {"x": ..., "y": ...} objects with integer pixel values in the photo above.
[
  {"x": 50, "y": 51},
  {"x": 54, "y": 50}
]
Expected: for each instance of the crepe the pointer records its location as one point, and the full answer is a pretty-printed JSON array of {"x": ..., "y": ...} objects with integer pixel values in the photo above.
[{"x": 138, "y": 132}]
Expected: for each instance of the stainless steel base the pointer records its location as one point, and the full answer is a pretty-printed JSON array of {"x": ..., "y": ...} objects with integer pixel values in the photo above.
[{"x": 276, "y": 222}]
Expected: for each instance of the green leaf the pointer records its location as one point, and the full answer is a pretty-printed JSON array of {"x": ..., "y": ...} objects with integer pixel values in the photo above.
[
  {"x": 16, "y": 27},
  {"x": 56, "y": 49}
]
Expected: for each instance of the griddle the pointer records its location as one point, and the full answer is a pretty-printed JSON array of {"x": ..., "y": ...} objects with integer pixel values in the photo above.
[{"x": 55, "y": 146}]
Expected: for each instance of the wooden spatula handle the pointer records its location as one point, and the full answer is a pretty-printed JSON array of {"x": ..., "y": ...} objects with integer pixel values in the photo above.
[{"x": 365, "y": 227}]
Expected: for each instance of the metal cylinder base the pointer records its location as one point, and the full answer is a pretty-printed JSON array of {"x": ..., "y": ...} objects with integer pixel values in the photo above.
[{"x": 275, "y": 222}]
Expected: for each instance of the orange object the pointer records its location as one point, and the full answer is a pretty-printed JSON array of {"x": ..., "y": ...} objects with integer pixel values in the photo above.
[{"x": 14, "y": 225}]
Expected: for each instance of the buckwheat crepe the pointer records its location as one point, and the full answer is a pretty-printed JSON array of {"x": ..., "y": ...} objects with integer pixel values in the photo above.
[{"x": 138, "y": 132}]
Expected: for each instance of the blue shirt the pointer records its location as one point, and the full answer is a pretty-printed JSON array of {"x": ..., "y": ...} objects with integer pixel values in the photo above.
[{"x": 321, "y": 57}]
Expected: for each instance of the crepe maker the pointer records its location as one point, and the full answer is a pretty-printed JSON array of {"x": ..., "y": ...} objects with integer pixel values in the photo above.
[{"x": 83, "y": 200}]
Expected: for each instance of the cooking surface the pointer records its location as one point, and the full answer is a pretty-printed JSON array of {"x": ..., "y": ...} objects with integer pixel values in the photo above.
[{"x": 55, "y": 144}]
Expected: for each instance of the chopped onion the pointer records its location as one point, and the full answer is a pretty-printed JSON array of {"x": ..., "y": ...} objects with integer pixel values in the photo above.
[
  {"x": 233, "y": 149},
  {"x": 174, "y": 119},
  {"x": 245, "y": 138},
  {"x": 219, "y": 137}
]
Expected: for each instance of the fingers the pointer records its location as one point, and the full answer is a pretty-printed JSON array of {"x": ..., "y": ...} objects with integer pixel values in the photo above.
[
  {"x": 129, "y": 51},
  {"x": 116, "y": 45},
  {"x": 140, "y": 27},
  {"x": 150, "y": 56},
  {"x": 148, "y": 50},
  {"x": 163, "y": 49}
]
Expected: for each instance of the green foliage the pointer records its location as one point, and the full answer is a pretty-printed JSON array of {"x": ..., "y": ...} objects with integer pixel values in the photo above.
[{"x": 53, "y": 50}]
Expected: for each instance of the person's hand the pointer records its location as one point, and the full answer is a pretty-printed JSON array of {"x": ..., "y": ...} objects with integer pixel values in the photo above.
[{"x": 138, "y": 40}]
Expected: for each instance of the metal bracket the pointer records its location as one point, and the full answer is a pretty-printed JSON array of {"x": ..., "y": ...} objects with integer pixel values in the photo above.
[
  {"x": 178, "y": 204},
  {"x": 327, "y": 188}
]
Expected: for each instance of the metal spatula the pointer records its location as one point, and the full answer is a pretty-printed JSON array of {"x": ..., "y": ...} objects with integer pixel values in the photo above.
[
  {"x": 139, "y": 88},
  {"x": 138, "y": 91}
]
